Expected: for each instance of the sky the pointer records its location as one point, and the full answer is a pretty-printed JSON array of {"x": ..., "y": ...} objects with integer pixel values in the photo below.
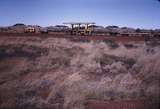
[{"x": 123, "y": 13}]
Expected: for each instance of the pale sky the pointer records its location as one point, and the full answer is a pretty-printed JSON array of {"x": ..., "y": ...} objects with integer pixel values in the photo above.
[{"x": 130, "y": 13}]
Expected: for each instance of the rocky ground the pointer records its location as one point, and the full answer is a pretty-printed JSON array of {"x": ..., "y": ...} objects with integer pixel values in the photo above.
[{"x": 66, "y": 74}]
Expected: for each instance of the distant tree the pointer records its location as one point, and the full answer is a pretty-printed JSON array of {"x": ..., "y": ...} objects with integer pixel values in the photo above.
[
  {"x": 124, "y": 28},
  {"x": 19, "y": 24},
  {"x": 93, "y": 26},
  {"x": 61, "y": 26},
  {"x": 113, "y": 26},
  {"x": 152, "y": 31},
  {"x": 138, "y": 30}
]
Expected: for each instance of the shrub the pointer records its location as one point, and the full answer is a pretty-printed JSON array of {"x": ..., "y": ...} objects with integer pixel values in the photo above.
[{"x": 112, "y": 44}]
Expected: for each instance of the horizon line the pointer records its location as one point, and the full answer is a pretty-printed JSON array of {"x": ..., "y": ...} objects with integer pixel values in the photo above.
[{"x": 120, "y": 26}]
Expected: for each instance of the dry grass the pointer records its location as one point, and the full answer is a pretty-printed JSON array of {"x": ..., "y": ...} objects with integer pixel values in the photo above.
[{"x": 65, "y": 74}]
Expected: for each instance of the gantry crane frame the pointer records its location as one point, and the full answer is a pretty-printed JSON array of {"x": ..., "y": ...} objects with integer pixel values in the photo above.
[{"x": 80, "y": 28}]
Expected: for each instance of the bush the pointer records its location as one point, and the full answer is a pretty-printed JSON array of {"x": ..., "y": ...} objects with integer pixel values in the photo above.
[
  {"x": 130, "y": 46},
  {"x": 112, "y": 44}
]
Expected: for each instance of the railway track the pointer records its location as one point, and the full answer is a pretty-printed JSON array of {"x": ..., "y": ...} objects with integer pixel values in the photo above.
[{"x": 93, "y": 37}]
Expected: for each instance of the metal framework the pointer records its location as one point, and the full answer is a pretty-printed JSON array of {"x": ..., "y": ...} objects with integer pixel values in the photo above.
[{"x": 80, "y": 28}]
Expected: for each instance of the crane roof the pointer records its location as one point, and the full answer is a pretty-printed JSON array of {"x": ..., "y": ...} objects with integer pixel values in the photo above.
[{"x": 77, "y": 23}]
